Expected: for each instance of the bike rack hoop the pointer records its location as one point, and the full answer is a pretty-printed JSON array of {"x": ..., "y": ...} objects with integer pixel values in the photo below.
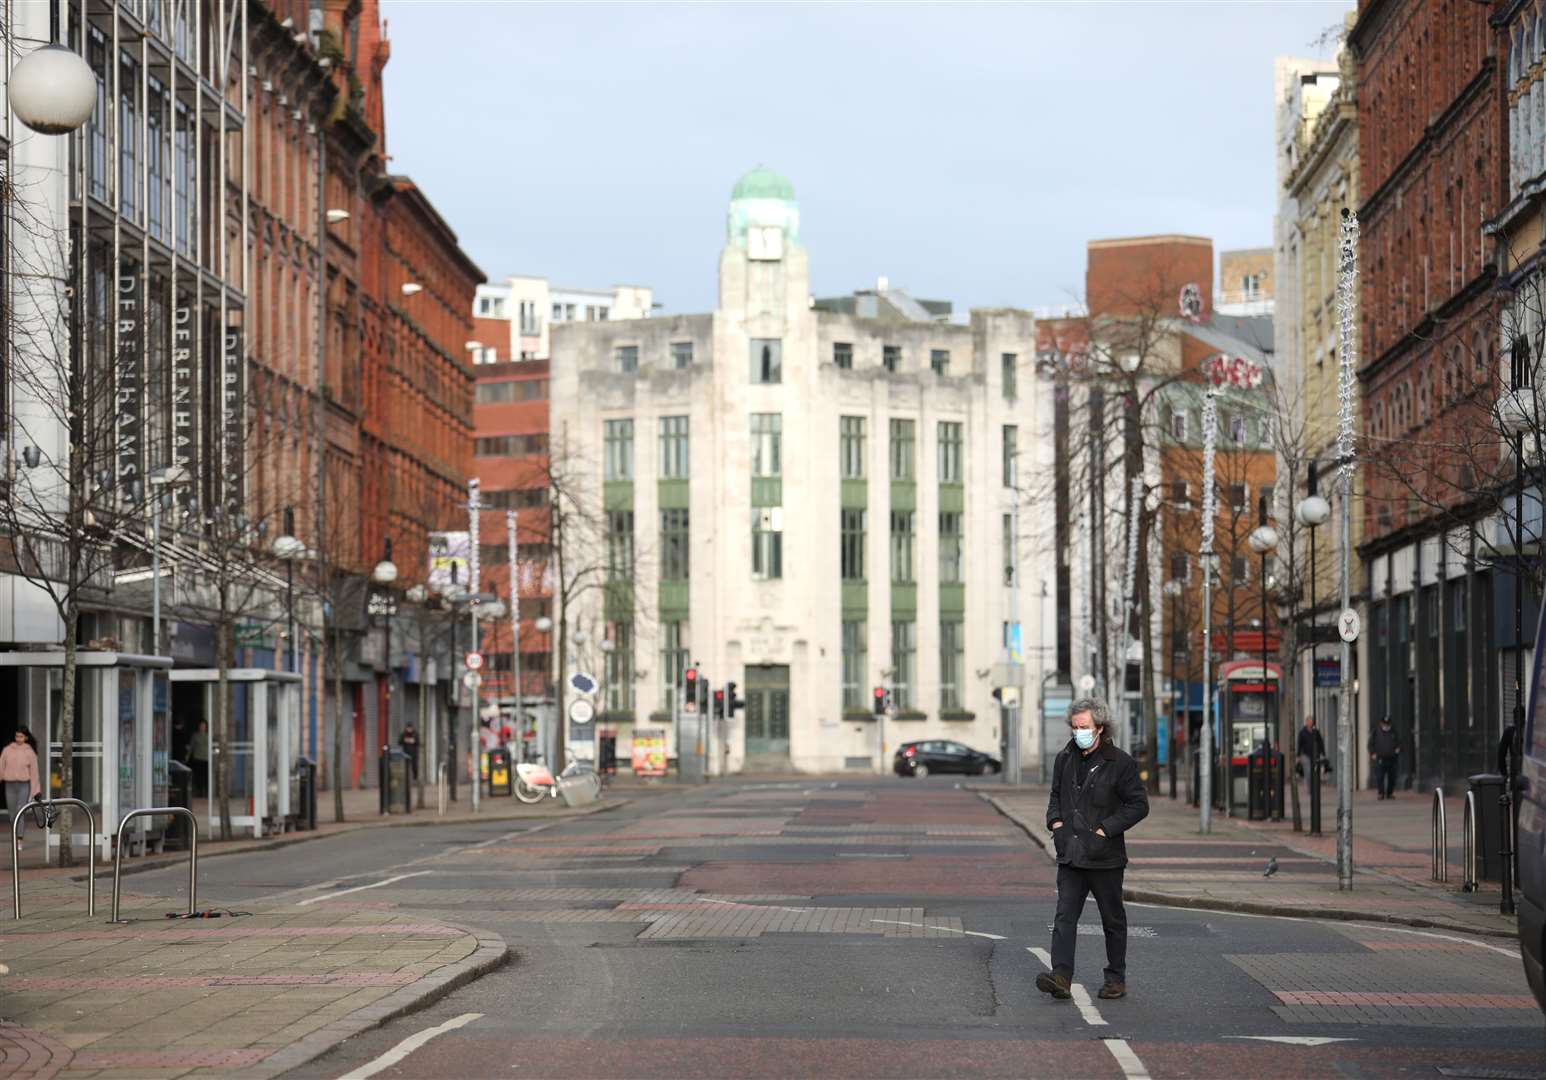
[
  {"x": 193, "y": 850},
  {"x": 91, "y": 853},
  {"x": 1468, "y": 844},
  {"x": 1440, "y": 869}
]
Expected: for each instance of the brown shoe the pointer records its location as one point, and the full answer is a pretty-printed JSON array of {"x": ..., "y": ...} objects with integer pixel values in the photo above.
[
  {"x": 1055, "y": 984},
  {"x": 1114, "y": 988}
]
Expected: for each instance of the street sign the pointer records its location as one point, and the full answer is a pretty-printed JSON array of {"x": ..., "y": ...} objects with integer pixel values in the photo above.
[
  {"x": 474, "y": 661},
  {"x": 1349, "y": 626},
  {"x": 1009, "y": 696},
  {"x": 582, "y": 682},
  {"x": 581, "y": 711},
  {"x": 472, "y": 680}
]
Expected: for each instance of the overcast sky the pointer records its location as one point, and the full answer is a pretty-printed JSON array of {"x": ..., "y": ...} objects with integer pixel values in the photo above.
[{"x": 966, "y": 152}]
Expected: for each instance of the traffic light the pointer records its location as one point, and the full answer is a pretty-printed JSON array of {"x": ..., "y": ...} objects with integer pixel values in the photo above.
[
  {"x": 719, "y": 704},
  {"x": 882, "y": 701},
  {"x": 703, "y": 693},
  {"x": 690, "y": 690},
  {"x": 732, "y": 703}
]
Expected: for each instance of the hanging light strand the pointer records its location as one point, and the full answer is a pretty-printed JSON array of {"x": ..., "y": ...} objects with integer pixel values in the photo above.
[
  {"x": 1210, "y": 425},
  {"x": 1347, "y": 305}
]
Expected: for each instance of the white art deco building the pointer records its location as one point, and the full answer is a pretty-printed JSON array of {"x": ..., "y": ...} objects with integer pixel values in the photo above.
[{"x": 812, "y": 498}]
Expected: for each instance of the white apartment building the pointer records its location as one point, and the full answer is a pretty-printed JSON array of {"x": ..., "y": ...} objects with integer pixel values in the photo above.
[
  {"x": 532, "y": 307},
  {"x": 813, "y": 498}
]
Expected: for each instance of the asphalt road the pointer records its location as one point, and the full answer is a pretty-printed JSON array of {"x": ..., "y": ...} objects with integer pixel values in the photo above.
[{"x": 871, "y": 929}]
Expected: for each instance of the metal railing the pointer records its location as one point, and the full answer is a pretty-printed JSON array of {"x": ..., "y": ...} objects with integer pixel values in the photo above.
[
  {"x": 91, "y": 853},
  {"x": 1440, "y": 838},
  {"x": 193, "y": 850},
  {"x": 440, "y": 789},
  {"x": 1468, "y": 844}
]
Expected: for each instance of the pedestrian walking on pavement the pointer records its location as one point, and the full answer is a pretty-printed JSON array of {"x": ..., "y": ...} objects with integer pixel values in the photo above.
[
  {"x": 1384, "y": 750},
  {"x": 1310, "y": 748},
  {"x": 1096, "y": 797},
  {"x": 19, "y": 774},
  {"x": 409, "y": 741},
  {"x": 198, "y": 758}
]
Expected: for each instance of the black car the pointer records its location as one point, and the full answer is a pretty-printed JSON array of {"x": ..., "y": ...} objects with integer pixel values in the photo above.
[{"x": 941, "y": 756}]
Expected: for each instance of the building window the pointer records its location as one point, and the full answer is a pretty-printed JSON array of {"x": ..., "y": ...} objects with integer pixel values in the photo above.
[
  {"x": 843, "y": 355},
  {"x": 494, "y": 393},
  {"x": 673, "y": 661},
  {"x": 1178, "y": 425},
  {"x": 1180, "y": 496},
  {"x": 903, "y": 535},
  {"x": 767, "y": 360},
  {"x": 852, "y": 541},
  {"x": 674, "y": 565},
  {"x": 1008, "y": 365},
  {"x": 950, "y": 657},
  {"x": 891, "y": 357},
  {"x": 1180, "y": 567},
  {"x": 949, "y": 452},
  {"x": 627, "y": 358},
  {"x": 939, "y": 361},
  {"x": 620, "y": 545},
  {"x": 902, "y": 450},
  {"x": 155, "y": 160},
  {"x": 767, "y": 544},
  {"x": 1011, "y": 454},
  {"x": 1011, "y": 549},
  {"x": 1237, "y": 429},
  {"x": 617, "y": 668},
  {"x": 674, "y": 448},
  {"x": 510, "y": 445},
  {"x": 558, "y": 313},
  {"x": 1266, "y": 496},
  {"x": 1237, "y": 497},
  {"x": 850, "y": 444},
  {"x": 904, "y": 654},
  {"x": 950, "y": 547},
  {"x": 681, "y": 355},
  {"x": 855, "y": 660},
  {"x": 617, "y": 445},
  {"x": 767, "y": 445},
  {"x": 1239, "y": 570},
  {"x": 129, "y": 139},
  {"x": 531, "y": 326},
  {"x": 97, "y": 127}
]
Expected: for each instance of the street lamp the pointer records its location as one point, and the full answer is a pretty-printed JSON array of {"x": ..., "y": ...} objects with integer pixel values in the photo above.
[
  {"x": 384, "y": 574},
  {"x": 1312, "y": 512},
  {"x": 53, "y": 89},
  {"x": 1174, "y": 589},
  {"x": 1264, "y": 540}
]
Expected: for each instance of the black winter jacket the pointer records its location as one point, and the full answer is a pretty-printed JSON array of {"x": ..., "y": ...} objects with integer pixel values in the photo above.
[{"x": 1112, "y": 798}]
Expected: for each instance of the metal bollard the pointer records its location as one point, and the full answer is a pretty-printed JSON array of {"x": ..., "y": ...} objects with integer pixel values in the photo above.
[
  {"x": 440, "y": 789},
  {"x": 1468, "y": 844},
  {"x": 91, "y": 854},
  {"x": 1440, "y": 868},
  {"x": 193, "y": 851}
]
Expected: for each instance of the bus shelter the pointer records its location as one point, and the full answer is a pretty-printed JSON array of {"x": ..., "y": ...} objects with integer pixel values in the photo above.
[
  {"x": 122, "y": 731},
  {"x": 262, "y": 741}
]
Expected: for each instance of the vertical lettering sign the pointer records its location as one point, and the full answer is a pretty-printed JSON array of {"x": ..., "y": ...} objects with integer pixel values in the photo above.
[
  {"x": 231, "y": 410},
  {"x": 184, "y": 381},
  {"x": 129, "y": 386}
]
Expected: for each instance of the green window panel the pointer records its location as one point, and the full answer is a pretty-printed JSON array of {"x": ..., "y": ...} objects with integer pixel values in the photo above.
[
  {"x": 952, "y": 599},
  {"x": 952, "y": 498},
  {"x": 672, "y": 494},
  {"x": 855, "y": 494},
  {"x": 767, "y": 491},
  {"x": 856, "y": 599},
  {"x": 674, "y": 600},
  {"x": 617, "y": 495},
  {"x": 904, "y": 599},
  {"x": 618, "y": 599},
  {"x": 904, "y": 495}
]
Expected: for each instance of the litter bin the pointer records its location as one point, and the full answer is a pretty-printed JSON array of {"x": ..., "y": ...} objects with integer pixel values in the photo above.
[
  {"x": 179, "y": 793},
  {"x": 499, "y": 772},
  {"x": 1488, "y": 789},
  {"x": 304, "y": 793},
  {"x": 396, "y": 793}
]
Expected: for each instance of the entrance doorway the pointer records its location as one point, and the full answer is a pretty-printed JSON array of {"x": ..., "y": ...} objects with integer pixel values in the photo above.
[{"x": 767, "y": 716}]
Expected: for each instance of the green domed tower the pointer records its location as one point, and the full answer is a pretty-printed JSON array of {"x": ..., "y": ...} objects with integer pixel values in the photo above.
[{"x": 762, "y": 200}]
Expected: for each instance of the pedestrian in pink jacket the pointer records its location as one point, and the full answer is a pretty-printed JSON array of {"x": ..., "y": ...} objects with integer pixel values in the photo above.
[{"x": 19, "y": 774}]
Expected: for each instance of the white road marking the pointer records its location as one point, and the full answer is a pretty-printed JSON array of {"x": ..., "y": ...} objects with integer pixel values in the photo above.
[
  {"x": 946, "y": 929},
  {"x": 1294, "y": 1040},
  {"x": 361, "y": 888},
  {"x": 1511, "y": 954},
  {"x": 1087, "y": 1008},
  {"x": 1132, "y": 1068},
  {"x": 408, "y": 1046},
  {"x": 737, "y": 903},
  {"x": 868, "y": 855}
]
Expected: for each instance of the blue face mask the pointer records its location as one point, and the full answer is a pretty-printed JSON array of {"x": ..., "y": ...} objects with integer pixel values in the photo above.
[{"x": 1084, "y": 738}]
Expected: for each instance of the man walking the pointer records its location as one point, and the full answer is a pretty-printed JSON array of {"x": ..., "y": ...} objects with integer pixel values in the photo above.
[
  {"x": 1384, "y": 749},
  {"x": 1310, "y": 748},
  {"x": 1096, "y": 797}
]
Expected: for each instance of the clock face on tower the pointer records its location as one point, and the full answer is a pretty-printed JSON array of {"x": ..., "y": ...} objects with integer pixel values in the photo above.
[{"x": 765, "y": 242}]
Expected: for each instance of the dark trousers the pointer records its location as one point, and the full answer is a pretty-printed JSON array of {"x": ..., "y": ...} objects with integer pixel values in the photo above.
[
  {"x": 1074, "y": 885},
  {"x": 1385, "y": 775}
]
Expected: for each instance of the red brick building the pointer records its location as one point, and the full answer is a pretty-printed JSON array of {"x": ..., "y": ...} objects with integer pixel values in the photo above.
[{"x": 1433, "y": 167}]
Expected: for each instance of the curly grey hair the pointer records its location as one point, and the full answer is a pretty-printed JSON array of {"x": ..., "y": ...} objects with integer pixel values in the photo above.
[{"x": 1098, "y": 710}]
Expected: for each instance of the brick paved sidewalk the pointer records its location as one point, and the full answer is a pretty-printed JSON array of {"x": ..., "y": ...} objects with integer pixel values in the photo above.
[
  {"x": 1172, "y": 863},
  {"x": 249, "y": 996}
]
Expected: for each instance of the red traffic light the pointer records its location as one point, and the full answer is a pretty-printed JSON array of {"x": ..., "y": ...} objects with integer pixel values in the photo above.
[
  {"x": 719, "y": 697},
  {"x": 692, "y": 674},
  {"x": 880, "y": 694}
]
